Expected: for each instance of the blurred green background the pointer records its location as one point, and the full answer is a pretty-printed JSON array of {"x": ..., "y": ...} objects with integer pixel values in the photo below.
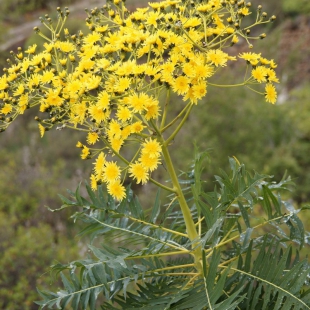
[{"x": 268, "y": 138}]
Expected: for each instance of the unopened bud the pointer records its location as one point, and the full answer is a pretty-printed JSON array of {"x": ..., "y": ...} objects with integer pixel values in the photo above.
[
  {"x": 273, "y": 18},
  {"x": 263, "y": 36}
]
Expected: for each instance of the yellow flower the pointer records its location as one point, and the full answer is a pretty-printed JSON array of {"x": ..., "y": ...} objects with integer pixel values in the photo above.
[
  {"x": 31, "y": 49},
  {"x": 99, "y": 164},
  {"x": 191, "y": 22},
  {"x": 102, "y": 29},
  {"x": 123, "y": 114},
  {"x": 137, "y": 127},
  {"x": 152, "y": 19},
  {"x": 250, "y": 56},
  {"x": 114, "y": 129},
  {"x": 270, "y": 93},
  {"x": 259, "y": 74},
  {"x": 138, "y": 172},
  {"x": 93, "y": 82},
  {"x": 190, "y": 95},
  {"x": 149, "y": 163},
  {"x": 63, "y": 61},
  {"x": 137, "y": 102},
  {"x": 85, "y": 152},
  {"x": 152, "y": 110},
  {"x": 200, "y": 71},
  {"x": 116, "y": 143},
  {"x": 103, "y": 100},
  {"x": 93, "y": 182},
  {"x": 3, "y": 83},
  {"x": 49, "y": 46},
  {"x": 47, "y": 77},
  {"x": 123, "y": 84},
  {"x": 244, "y": 11},
  {"x": 272, "y": 64},
  {"x": 199, "y": 90},
  {"x": 7, "y": 108},
  {"x": 126, "y": 131},
  {"x": 34, "y": 81},
  {"x": 181, "y": 85},
  {"x": 19, "y": 90},
  {"x": 271, "y": 76},
  {"x": 235, "y": 39},
  {"x": 23, "y": 103},
  {"x": 53, "y": 98},
  {"x": 116, "y": 190},
  {"x": 42, "y": 130},
  {"x": 79, "y": 144},
  {"x": 217, "y": 57},
  {"x": 151, "y": 147},
  {"x": 92, "y": 137},
  {"x": 92, "y": 38},
  {"x": 111, "y": 172}
]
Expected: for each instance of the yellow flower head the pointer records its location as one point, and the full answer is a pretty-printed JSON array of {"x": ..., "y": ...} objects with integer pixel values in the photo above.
[
  {"x": 270, "y": 93},
  {"x": 149, "y": 163},
  {"x": 138, "y": 172},
  {"x": 181, "y": 85},
  {"x": 92, "y": 137},
  {"x": 152, "y": 148},
  {"x": 42, "y": 130},
  {"x": 31, "y": 49},
  {"x": 111, "y": 172},
  {"x": 259, "y": 74},
  {"x": 116, "y": 190},
  {"x": 99, "y": 164},
  {"x": 85, "y": 152},
  {"x": 7, "y": 108},
  {"x": 217, "y": 57}
]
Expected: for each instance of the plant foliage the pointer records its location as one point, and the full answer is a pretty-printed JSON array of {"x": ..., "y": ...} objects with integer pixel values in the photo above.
[{"x": 152, "y": 267}]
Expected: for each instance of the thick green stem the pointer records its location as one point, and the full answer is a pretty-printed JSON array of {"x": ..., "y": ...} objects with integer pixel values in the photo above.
[{"x": 189, "y": 222}]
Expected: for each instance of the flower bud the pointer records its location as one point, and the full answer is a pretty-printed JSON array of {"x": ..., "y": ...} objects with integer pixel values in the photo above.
[{"x": 273, "y": 18}]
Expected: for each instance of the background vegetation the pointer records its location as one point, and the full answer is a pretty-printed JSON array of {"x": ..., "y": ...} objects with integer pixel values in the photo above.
[{"x": 269, "y": 139}]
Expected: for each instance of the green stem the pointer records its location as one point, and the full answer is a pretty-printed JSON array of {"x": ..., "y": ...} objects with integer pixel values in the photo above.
[
  {"x": 163, "y": 120},
  {"x": 169, "y": 189},
  {"x": 176, "y": 118},
  {"x": 157, "y": 255},
  {"x": 189, "y": 222},
  {"x": 180, "y": 125}
]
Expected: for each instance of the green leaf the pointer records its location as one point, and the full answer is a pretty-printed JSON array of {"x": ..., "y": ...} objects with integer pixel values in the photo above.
[{"x": 155, "y": 209}]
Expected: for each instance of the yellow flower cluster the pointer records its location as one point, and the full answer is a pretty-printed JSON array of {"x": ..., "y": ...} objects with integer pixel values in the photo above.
[
  {"x": 262, "y": 72},
  {"x": 108, "y": 83}
]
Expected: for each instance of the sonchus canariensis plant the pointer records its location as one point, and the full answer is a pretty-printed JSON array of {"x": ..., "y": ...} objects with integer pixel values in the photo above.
[{"x": 198, "y": 250}]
